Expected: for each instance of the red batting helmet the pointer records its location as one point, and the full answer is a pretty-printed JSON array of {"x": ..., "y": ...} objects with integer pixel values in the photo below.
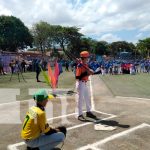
[{"x": 84, "y": 54}]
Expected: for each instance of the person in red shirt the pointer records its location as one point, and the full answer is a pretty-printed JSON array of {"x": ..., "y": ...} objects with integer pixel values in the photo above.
[{"x": 82, "y": 74}]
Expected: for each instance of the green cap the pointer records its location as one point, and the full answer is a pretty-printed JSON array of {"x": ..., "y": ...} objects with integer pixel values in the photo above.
[{"x": 42, "y": 95}]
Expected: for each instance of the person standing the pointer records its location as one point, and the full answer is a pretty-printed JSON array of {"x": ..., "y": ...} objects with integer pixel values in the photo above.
[
  {"x": 38, "y": 69},
  {"x": 82, "y": 74},
  {"x": 67, "y": 66},
  {"x": 12, "y": 66},
  {"x": 23, "y": 66},
  {"x": 2, "y": 67}
]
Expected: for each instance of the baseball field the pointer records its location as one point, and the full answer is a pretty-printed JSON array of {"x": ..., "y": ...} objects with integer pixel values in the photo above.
[{"x": 119, "y": 101}]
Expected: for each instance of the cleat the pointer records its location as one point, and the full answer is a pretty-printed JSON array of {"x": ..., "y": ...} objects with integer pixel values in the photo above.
[{"x": 91, "y": 115}]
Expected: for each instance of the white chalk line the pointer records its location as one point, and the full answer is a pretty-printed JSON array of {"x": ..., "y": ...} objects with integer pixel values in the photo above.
[
  {"x": 91, "y": 90},
  {"x": 103, "y": 113},
  {"x": 14, "y": 146},
  {"x": 17, "y": 101},
  {"x": 138, "y": 98},
  {"x": 94, "y": 148},
  {"x": 101, "y": 142},
  {"x": 84, "y": 124},
  {"x": 92, "y": 96},
  {"x": 63, "y": 116},
  {"x": 9, "y": 103}
]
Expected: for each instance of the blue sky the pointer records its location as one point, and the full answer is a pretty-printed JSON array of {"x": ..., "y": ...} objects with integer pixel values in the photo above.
[{"x": 109, "y": 20}]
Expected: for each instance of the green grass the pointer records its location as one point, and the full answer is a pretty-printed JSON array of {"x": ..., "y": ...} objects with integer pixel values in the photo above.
[
  {"x": 129, "y": 85},
  {"x": 66, "y": 80}
]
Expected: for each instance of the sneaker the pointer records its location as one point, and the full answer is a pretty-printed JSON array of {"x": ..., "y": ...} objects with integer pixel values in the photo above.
[
  {"x": 81, "y": 118},
  {"x": 90, "y": 115}
]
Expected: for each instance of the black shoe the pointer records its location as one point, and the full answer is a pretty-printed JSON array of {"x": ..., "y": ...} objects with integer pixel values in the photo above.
[
  {"x": 56, "y": 148},
  {"x": 29, "y": 148},
  {"x": 81, "y": 118},
  {"x": 90, "y": 115}
]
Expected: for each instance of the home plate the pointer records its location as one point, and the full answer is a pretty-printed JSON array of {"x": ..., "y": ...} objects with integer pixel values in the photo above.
[{"x": 104, "y": 127}]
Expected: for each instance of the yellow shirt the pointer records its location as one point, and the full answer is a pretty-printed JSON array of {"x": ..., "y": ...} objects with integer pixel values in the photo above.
[{"x": 34, "y": 124}]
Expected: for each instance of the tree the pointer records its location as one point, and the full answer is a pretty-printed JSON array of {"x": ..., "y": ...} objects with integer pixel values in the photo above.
[
  {"x": 48, "y": 36},
  {"x": 65, "y": 36},
  {"x": 120, "y": 46},
  {"x": 41, "y": 36},
  {"x": 101, "y": 48},
  {"x": 143, "y": 47},
  {"x": 61, "y": 36},
  {"x": 74, "y": 40},
  {"x": 87, "y": 44},
  {"x": 13, "y": 34}
]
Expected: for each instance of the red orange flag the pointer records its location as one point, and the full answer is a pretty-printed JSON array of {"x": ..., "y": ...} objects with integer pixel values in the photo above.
[
  {"x": 51, "y": 76},
  {"x": 56, "y": 72}
]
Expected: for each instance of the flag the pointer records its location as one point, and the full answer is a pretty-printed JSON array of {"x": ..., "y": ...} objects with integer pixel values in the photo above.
[
  {"x": 51, "y": 76},
  {"x": 57, "y": 71},
  {"x": 47, "y": 80}
]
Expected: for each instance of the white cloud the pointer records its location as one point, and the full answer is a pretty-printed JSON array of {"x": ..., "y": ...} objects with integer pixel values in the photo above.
[
  {"x": 101, "y": 17},
  {"x": 32, "y": 11},
  {"x": 109, "y": 38},
  {"x": 4, "y": 11},
  {"x": 146, "y": 28},
  {"x": 95, "y": 17}
]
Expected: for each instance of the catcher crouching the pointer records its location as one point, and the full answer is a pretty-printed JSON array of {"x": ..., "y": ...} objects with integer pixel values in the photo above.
[{"x": 36, "y": 132}]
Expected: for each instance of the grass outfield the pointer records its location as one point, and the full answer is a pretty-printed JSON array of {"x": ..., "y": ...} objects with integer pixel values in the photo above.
[
  {"x": 128, "y": 85},
  {"x": 66, "y": 80}
]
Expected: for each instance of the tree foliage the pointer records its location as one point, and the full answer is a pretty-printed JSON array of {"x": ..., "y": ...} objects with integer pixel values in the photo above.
[
  {"x": 101, "y": 48},
  {"x": 48, "y": 36},
  {"x": 13, "y": 34},
  {"x": 41, "y": 35},
  {"x": 143, "y": 46},
  {"x": 120, "y": 46}
]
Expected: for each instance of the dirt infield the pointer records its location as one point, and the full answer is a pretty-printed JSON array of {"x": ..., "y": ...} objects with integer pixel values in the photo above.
[{"x": 131, "y": 116}]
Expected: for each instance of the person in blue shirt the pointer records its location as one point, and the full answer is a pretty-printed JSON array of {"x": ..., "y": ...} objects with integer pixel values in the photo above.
[{"x": 38, "y": 69}]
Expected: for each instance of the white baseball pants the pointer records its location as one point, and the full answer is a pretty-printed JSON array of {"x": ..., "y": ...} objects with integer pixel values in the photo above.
[{"x": 82, "y": 94}]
